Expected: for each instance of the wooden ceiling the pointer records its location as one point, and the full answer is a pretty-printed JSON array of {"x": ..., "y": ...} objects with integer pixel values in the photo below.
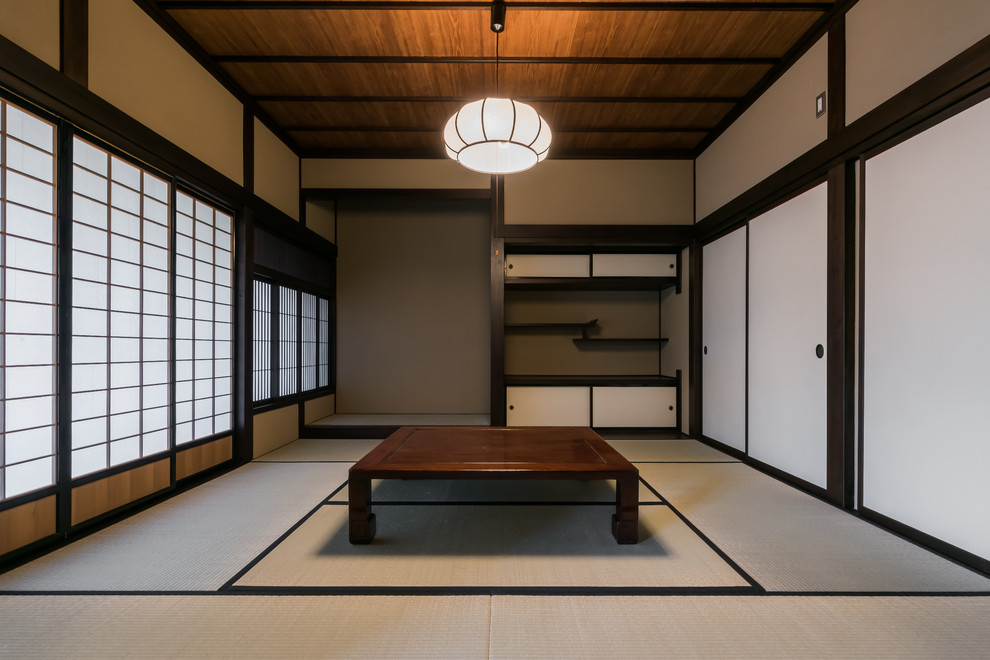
[{"x": 617, "y": 79}]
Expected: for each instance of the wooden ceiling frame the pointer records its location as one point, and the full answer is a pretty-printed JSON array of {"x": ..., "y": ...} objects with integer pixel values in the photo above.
[{"x": 299, "y": 127}]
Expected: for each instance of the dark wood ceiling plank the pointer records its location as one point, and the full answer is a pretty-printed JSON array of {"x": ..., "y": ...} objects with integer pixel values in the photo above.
[
  {"x": 589, "y": 5},
  {"x": 276, "y": 98},
  {"x": 477, "y": 80},
  {"x": 450, "y": 33}
]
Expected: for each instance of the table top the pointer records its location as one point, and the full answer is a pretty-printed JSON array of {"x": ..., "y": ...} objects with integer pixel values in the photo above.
[{"x": 494, "y": 452}]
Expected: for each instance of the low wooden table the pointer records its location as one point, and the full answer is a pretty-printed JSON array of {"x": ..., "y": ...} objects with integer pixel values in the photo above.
[{"x": 494, "y": 453}]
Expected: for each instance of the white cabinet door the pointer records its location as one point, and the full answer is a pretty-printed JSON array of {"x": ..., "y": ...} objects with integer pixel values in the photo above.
[
  {"x": 547, "y": 406},
  {"x": 634, "y": 407},
  {"x": 787, "y": 324},
  {"x": 547, "y": 265},
  {"x": 634, "y": 265},
  {"x": 723, "y": 390}
]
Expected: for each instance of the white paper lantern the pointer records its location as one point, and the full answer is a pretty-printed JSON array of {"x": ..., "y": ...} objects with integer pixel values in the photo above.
[{"x": 497, "y": 136}]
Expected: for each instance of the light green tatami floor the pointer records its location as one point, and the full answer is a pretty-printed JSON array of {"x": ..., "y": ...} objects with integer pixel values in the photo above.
[{"x": 730, "y": 563}]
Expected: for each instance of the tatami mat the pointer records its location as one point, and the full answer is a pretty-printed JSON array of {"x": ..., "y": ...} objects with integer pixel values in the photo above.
[
  {"x": 135, "y": 627},
  {"x": 320, "y": 449},
  {"x": 480, "y": 546},
  {"x": 439, "y": 490},
  {"x": 196, "y": 540},
  {"x": 790, "y": 541},
  {"x": 740, "y": 627},
  {"x": 668, "y": 450}
]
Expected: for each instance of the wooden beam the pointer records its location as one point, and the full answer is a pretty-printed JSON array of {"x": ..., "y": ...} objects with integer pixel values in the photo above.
[{"x": 386, "y": 5}]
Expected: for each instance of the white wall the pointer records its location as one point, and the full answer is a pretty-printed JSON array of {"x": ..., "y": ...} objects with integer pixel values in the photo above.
[
  {"x": 276, "y": 171},
  {"x": 137, "y": 67},
  {"x": 604, "y": 192},
  {"x": 35, "y": 26},
  {"x": 891, "y": 44},
  {"x": 775, "y": 130},
  {"x": 375, "y": 173},
  {"x": 927, "y": 318}
]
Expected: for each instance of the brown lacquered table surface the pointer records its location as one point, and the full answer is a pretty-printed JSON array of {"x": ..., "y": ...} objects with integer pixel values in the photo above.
[{"x": 482, "y": 452}]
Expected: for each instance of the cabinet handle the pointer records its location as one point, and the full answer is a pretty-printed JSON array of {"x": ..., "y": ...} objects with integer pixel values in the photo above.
[
  {"x": 820, "y": 351},
  {"x": 511, "y": 407},
  {"x": 706, "y": 350},
  {"x": 670, "y": 408}
]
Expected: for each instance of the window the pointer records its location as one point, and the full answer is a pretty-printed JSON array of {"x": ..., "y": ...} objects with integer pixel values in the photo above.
[
  {"x": 204, "y": 263},
  {"x": 120, "y": 311},
  {"x": 27, "y": 302},
  {"x": 291, "y": 341}
]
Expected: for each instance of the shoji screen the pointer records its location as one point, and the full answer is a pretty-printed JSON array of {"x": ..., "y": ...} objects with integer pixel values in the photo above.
[
  {"x": 27, "y": 302},
  {"x": 120, "y": 311},
  {"x": 724, "y": 340},
  {"x": 787, "y": 324},
  {"x": 926, "y": 408}
]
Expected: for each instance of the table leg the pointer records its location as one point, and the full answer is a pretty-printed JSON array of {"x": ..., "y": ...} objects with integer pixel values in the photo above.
[
  {"x": 625, "y": 522},
  {"x": 361, "y": 521}
]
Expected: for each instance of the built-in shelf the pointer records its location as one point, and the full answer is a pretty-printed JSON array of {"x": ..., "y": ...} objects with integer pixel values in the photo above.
[
  {"x": 597, "y": 380},
  {"x": 590, "y": 283},
  {"x": 593, "y": 342}
]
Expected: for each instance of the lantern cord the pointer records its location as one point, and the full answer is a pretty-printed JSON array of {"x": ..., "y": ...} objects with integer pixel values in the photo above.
[{"x": 496, "y": 64}]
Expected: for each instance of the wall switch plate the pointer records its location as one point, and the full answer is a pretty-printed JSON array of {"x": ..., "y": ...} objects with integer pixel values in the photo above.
[{"x": 820, "y": 105}]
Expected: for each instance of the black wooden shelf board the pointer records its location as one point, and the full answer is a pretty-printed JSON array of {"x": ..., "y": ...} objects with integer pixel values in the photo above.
[
  {"x": 618, "y": 380},
  {"x": 602, "y": 341},
  {"x": 579, "y": 325}
]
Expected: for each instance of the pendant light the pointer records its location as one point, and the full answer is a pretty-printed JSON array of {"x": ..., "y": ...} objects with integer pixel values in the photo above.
[{"x": 497, "y": 135}]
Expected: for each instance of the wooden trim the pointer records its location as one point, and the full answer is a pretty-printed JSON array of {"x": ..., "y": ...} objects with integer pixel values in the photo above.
[
  {"x": 695, "y": 322},
  {"x": 594, "y": 5},
  {"x": 497, "y": 365},
  {"x": 202, "y": 457},
  {"x": 337, "y": 194},
  {"x": 938, "y": 94},
  {"x": 330, "y": 128},
  {"x": 861, "y": 335},
  {"x": 74, "y": 51},
  {"x": 672, "y": 235},
  {"x": 836, "y": 87},
  {"x": 558, "y": 154},
  {"x": 432, "y": 59},
  {"x": 291, "y": 98},
  {"x": 249, "y": 151},
  {"x": 243, "y": 336},
  {"x": 104, "y": 495},
  {"x": 26, "y": 524},
  {"x": 840, "y": 324}
]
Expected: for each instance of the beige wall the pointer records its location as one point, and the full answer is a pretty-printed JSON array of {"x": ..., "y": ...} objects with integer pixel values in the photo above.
[
  {"x": 582, "y": 192},
  {"x": 315, "y": 409},
  {"x": 321, "y": 217},
  {"x": 891, "y": 44},
  {"x": 137, "y": 67},
  {"x": 34, "y": 25},
  {"x": 775, "y": 130},
  {"x": 675, "y": 326},
  {"x": 276, "y": 171},
  {"x": 374, "y": 173},
  {"x": 275, "y": 428},
  {"x": 413, "y": 307}
]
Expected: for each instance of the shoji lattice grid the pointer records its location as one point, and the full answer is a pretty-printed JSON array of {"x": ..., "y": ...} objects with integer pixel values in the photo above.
[
  {"x": 262, "y": 341},
  {"x": 203, "y": 319},
  {"x": 288, "y": 339},
  {"x": 323, "y": 344},
  {"x": 27, "y": 301},
  {"x": 308, "y": 343},
  {"x": 120, "y": 311}
]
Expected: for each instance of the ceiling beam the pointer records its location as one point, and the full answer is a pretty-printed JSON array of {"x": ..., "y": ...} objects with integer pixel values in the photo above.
[
  {"x": 558, "y": 154},
  {"x": 433, "y": 129},
  {"x": 172, "y": 5},
  {"x": 360, "y": 59},
  {"x": 525, "y": 99}
]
